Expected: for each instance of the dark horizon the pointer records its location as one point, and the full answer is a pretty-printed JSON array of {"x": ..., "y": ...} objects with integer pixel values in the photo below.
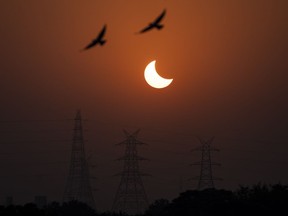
[{"x": 246, "y": 200}]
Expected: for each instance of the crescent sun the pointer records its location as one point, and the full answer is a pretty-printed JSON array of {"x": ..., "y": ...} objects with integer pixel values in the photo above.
[{"x": 153, "y": 78}]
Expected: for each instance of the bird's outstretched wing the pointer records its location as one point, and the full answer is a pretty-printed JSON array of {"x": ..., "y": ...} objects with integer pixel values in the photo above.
[
  {"x": 146, "y": 28},
  {"x": 158, "y": 19},
  {"x": 101, "y": 34},
  {"x": 93, "y": 43}
]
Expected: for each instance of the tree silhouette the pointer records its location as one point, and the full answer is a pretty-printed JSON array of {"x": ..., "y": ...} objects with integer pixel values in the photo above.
[
  {"x": 158, "y": 208},
  {"x": 258, "y": 199}
]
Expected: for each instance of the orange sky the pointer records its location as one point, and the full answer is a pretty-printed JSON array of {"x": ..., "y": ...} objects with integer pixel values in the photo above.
[{"x": 228, "y": 60}]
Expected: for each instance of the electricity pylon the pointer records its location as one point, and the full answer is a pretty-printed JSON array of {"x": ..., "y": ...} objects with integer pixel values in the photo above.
[
  {"x": 78, "y": 182},
  {"x": 131, "y": 196},
  {"x": 206, "y": 179}
]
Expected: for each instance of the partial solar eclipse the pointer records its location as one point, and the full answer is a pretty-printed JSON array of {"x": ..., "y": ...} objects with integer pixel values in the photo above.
[{"x": 153, "y": 78}]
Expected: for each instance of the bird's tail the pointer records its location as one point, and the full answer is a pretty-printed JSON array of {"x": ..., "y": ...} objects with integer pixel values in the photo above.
[
  {"x": 102, "y": 42},
  {"x": 159, "y": 26}
]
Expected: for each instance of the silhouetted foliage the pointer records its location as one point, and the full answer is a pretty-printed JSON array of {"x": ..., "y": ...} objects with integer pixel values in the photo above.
[
  {"x": 206, "y": 202},
  {"x": 158, "y": 208},
  {"x": 263, "y": 199},
  {"x": 259, "y": 199},
  {"x": 77, "y": 208}
]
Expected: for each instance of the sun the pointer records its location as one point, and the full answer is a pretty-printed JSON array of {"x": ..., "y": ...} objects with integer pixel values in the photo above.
[{"x": 153, "y": 78}]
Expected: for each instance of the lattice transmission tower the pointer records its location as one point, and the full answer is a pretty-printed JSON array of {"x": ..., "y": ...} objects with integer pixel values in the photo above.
[
  {"x": 78, "y": 182},
  {"x": 130, "y": 197},
  {"x": 206, "y": 179}
]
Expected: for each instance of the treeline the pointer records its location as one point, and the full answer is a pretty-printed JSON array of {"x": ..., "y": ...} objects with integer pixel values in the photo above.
[
  {"x": 259, "y": 199},
  {"x": 72, "y": 208},
  {"x": 256, "y": 200}
]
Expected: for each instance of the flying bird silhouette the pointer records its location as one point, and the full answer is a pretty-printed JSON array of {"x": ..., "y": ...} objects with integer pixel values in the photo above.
[
  {"x": 98, "y": 40},
  {"x": 155, "y": 24}
]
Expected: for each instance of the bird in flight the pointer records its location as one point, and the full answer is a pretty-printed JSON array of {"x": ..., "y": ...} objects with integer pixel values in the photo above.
[
  {"x": 155, "y": 23},
  {"x": 98, "y": 40}
]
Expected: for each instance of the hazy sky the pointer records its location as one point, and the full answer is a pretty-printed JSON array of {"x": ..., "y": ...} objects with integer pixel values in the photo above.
[{"x": 229, "y": 63}]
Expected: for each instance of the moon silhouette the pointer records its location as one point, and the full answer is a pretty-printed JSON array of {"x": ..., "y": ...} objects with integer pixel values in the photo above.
[{"x": 153, "y": 78}]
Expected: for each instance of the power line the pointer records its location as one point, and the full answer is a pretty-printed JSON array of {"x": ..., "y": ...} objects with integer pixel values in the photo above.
[
  {"x": 131, "y": 197},
  {"x": 206, "y": 179},
  {"x": 78, "y": 183}
]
